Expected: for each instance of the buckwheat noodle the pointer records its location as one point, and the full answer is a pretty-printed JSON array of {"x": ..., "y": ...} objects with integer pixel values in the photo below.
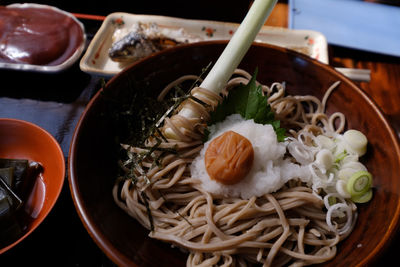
[{"x": 285, "y": 227}]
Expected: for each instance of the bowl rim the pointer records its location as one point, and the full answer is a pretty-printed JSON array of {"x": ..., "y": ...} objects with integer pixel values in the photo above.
[
  {"x": 93, "y": 230},
  {"x": 119, "y": 258},
  {"x": 59, "y": 189}
]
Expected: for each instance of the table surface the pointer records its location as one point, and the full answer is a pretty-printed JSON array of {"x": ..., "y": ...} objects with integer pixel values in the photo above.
[{"x": 62, "y": 233}]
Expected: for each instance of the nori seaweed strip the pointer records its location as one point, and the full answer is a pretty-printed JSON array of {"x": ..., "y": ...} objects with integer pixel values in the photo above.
[
  {"x": 131, "y": 175},
  {"x": 146, "y": 203},
  {"x": 203, "y": 72},
  {"x": 178, "y": 96},
  {"x": 161, "y": 135},
  {"x": 183, "y": 217},
  {"x": 178, "y": 101},
  {"x": 195, "y": 99},
  {"x": 163, "y": 149}
]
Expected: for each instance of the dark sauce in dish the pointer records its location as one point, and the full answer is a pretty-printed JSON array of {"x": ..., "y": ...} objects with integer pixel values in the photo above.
[{"x": 37, "y": 36}]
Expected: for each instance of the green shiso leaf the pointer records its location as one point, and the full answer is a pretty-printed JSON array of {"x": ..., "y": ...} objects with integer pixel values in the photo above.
[{"x": 248, "y": 101}]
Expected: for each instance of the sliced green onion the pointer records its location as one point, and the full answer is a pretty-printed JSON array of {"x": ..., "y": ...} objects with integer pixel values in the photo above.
[
  {"x": 325, "y": 142},
  {"x": 356, "y": 140},
  {"x": 340, "y": 156},
  {"x": 341, "y": 189},
  {"x": 363, "y": 198},
  {"x": 324, "y": 158},
  {"x": 332, "y": 200},
  {"x": 359, "y": 183}
]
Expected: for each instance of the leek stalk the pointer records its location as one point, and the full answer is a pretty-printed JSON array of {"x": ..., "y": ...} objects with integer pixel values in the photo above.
[
  {"x": 238, "y": 45},
  {"x": 233, "y": 53}
]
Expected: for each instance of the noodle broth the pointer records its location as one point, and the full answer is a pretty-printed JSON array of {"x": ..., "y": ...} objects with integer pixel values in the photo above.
[{"x": 125, "y": 241}]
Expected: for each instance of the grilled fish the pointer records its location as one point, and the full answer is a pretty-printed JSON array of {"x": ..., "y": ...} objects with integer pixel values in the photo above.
[{"x": 140, "y": 42}]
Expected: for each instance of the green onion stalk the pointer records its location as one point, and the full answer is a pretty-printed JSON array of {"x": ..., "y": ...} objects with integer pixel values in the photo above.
[{"x": 232, "y": 54}]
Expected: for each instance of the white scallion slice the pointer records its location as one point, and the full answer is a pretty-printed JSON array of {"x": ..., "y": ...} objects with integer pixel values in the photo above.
[
  {"x": 356, "y": 140},
  {"x": 333, "y": 211},
  {"x": 324, "y": 158},
  {"x": 341, "y": 189},
  {"x": 325, "y": 142}
]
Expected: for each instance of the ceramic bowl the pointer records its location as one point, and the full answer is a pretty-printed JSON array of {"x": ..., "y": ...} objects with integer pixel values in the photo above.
[
  {"x": 24, "y": 140},
  {"x": 93, "y": 152}
]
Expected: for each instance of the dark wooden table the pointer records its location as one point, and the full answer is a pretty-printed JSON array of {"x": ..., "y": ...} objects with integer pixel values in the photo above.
[
  {"x": 385, "y": 70},
  {"x": 61, "y": 240}
]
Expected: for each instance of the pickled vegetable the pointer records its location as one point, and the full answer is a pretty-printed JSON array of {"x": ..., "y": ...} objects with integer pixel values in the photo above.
[
  {"x": 229, "y": 158},
  {"x": 17, "y": 177},
  {"x": 20, "y": 167}
]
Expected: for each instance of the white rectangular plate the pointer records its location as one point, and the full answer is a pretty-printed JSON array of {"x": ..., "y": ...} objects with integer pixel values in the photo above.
[{"x": 96, "y": 60}]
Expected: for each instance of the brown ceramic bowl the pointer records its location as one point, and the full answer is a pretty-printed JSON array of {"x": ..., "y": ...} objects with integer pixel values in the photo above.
[
  {"x": 24, "y": 140},
  {"x": 93, "y": 153}
]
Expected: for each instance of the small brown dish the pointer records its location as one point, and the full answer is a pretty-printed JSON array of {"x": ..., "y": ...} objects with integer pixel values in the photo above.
[{"x": 93, "y": 152}]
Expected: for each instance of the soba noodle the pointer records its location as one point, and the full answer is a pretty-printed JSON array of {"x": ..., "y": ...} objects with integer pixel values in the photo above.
[{"x": 285, "y": 227}]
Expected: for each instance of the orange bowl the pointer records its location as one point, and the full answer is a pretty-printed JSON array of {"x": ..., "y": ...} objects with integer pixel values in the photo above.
[{"x": 24, "y": 140}]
